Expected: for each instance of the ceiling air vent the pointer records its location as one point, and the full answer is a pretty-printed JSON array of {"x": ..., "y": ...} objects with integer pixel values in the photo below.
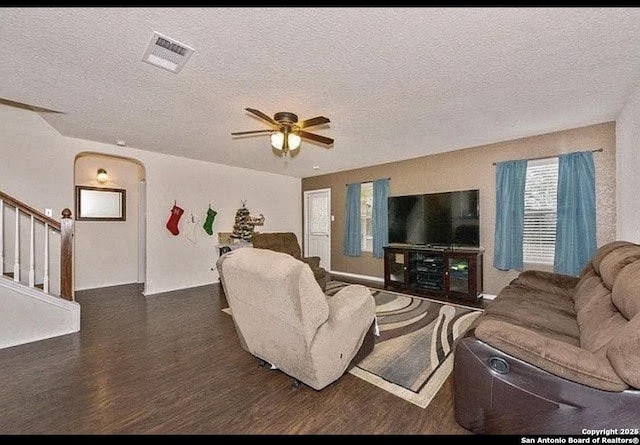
[{"x": 167, "y": 53}]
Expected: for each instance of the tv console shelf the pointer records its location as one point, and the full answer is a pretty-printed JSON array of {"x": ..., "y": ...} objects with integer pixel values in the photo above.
[{"x": 445, "y": 273}]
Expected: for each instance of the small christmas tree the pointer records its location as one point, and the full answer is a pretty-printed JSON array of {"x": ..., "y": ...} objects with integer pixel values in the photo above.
[{"x": 242, "y": 229}]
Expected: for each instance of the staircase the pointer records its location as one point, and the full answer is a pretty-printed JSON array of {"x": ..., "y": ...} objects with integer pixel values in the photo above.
[{"x": 36, "y": 300}]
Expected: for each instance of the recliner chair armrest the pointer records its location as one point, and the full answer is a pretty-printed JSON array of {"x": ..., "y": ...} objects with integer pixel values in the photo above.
[
  {"x": 350, "y": 300},
  {"x": 313, "y": 261},
  {"x": 338, "y": 340},
  {"x": 557, "y": 357}
]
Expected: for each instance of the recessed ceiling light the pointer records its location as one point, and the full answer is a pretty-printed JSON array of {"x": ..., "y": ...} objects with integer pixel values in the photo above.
[
  {"x": 120, "y": 143},
  {"x": 316, "y": 167}
]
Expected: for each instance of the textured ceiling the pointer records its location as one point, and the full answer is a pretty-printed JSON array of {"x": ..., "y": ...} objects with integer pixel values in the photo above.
[{"x": 396, "y": 83}]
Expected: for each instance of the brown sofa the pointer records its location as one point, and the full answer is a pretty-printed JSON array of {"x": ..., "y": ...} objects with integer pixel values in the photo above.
[
  {"x": 282, "y": 316},
  {"x": 555, "y": 354},
  {"x": 287, "y": 242}
]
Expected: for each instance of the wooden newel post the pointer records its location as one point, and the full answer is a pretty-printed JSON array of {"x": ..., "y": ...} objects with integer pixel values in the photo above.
[{"x": 66, "y": 255}]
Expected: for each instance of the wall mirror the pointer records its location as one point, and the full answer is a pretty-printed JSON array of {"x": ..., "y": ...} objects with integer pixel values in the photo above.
[{"x": 100, "y": 204}]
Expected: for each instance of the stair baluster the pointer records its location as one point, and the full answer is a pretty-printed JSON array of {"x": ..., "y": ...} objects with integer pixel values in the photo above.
[
  {"x": 45, "y": 278},
  {"x": 16, "y": 250},
  {"x": 32, "y": 255},
  {"x": 1, "y": 237}
]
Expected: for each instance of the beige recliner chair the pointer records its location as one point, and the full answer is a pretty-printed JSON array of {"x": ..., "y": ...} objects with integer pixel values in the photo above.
[{"x": 283, "y": 317}]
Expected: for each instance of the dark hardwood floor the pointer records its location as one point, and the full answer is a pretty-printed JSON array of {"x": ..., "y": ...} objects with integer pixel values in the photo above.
[{"x": 172, "y": 364}]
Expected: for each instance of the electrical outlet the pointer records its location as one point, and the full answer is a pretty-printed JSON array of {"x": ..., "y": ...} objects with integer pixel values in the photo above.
[{"x": 48, "y": 212}]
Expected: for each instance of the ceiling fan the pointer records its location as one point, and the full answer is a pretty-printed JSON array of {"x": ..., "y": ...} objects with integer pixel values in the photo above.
[{"x": 286, "y": 132}]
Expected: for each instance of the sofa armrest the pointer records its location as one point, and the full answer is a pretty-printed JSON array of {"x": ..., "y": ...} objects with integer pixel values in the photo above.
[
  {"x": 547, "y": 282},
  {"x": 312, "y": 261},
  {"x": 557, "y": 357}
]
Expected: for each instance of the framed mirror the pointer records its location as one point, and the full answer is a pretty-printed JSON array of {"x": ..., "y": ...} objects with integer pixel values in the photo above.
[{"x": 100, "y": 204}]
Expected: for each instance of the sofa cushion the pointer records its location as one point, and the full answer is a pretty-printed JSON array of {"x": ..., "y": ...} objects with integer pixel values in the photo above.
[
  {"x": 624, "y": 353},
  {"x": 604, "y": 251},
  {"x": 551, "y": 314},
  {"x": 626, "y": 291},
  {"x": 590, "y": 286},
  {"x": 554, "y": 356},
  {"x": 599, "y": 321},
  {"x": 615, "y": 261},
  {"x": 547, "y": 282}
]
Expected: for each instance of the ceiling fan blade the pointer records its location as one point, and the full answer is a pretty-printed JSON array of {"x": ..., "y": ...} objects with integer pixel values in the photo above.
[
  {"x": 238, "y": 133},
  {"x": 318, "y": 120},
  {"x": 315, "y": 137},
  {"x": 24, "y": 106},
  {"x": 261, "y": 115}
]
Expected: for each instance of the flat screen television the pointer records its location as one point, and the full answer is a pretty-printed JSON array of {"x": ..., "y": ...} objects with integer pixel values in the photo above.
[{"x": 435, "y": 219}]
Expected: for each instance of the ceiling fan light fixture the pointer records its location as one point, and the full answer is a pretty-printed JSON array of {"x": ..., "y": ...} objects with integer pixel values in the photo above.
[
  {"x": 286, "y": 133},
  {"x": 277, "y": 140},
  {"x": 294, "y": 141}
]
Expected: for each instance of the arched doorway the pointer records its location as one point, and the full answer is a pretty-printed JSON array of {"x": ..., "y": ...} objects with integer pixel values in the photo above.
[{"x": 109, "y": 253}]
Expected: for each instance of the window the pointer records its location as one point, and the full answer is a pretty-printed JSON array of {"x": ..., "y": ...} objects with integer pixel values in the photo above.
[
  {"x": 540, "y": 215},
  {"x": 366, "y": 215}
]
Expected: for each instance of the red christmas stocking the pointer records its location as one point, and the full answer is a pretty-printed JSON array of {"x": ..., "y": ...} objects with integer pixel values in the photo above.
[{"x": 172, "y": 224}]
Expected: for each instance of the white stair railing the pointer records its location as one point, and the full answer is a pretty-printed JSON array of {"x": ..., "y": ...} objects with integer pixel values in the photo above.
[{"x": 49, "y": 225}]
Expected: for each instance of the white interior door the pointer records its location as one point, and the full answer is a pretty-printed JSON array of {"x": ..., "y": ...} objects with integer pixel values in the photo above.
[{"x": 317, "y": 225}]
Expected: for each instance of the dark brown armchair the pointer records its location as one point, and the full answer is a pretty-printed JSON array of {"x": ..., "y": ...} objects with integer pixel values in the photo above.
[{"x": 287, "y": 242}]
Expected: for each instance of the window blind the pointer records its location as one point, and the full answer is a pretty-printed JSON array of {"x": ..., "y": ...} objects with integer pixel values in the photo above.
[
  {"x": 540, "y": 211},
  {"x": 366, "y": 214}
]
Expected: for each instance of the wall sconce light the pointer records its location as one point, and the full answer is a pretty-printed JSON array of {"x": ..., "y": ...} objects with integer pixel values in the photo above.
[{"x": 102, "y": 176}]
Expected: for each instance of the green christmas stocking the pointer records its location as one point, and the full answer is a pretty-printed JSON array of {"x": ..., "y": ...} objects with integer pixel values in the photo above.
[{"x": 208, "y": 223}]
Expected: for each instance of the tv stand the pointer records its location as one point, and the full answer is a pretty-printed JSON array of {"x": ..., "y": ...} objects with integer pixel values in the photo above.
[{"x": 445, "y": 273}]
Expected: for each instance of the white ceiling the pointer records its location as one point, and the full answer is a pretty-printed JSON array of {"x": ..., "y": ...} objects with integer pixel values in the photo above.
[{"x": 396, "y": 83}]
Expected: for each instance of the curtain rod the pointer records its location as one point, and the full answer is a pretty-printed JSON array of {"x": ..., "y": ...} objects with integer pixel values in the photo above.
[
  {"x": 362, "y": 182},
  {"x": 597, "y": 150}
]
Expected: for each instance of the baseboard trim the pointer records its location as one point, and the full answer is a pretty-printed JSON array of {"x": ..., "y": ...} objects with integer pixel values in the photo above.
[
  {"x": 355, "y": 275},
  {"x": 79, "y": 289},
  {"x": 158, "y": 292}
]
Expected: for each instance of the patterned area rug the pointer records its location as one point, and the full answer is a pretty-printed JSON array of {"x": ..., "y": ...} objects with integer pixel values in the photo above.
[{"x": 413, "y": 355}]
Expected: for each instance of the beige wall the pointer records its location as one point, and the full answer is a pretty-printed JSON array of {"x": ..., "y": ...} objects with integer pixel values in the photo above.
[
  {"x": 472, "y": 168},
  {"x": 106, "y": 252},
  {"x": 628, "y": 168},
  {"x": 38, "y": 169}
]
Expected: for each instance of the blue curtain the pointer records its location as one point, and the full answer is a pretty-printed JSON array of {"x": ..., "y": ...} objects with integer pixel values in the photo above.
[
  {"x": 380, "y": 216},
  {"x": 576, "y": 226},
  {"x": 352, "y": 224},
  {"x": 511, "y": 177}
]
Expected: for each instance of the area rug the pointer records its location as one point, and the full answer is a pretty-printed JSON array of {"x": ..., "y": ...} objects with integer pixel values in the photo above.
[{"x": 413, "y": 355}]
